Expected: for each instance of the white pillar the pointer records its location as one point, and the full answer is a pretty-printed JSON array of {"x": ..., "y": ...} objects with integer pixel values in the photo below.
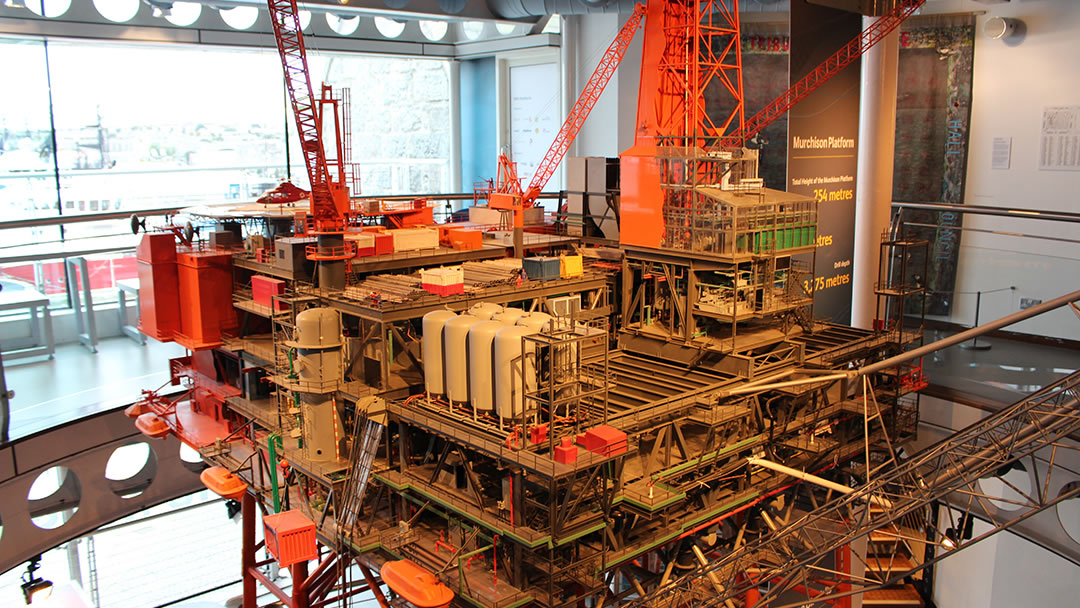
[{"x": 873, "y": 198}]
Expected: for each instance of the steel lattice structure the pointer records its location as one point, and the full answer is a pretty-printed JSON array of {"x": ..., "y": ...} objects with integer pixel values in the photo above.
[{"x": 790, "y": 558}]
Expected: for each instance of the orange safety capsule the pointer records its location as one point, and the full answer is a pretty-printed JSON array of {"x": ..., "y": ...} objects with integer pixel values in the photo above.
[
  {"x": 415, "y": 584},
  {"x": 223, "y": 482},
  {"x": 152, "y": 425}
]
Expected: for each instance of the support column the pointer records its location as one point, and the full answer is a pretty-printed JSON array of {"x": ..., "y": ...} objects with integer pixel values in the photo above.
[
  {"x": 332, "y": 273},
  {"x": 873, "y": 197},
  {"x": 247, "y": 551},
  {"x": 299, "y": 573}
]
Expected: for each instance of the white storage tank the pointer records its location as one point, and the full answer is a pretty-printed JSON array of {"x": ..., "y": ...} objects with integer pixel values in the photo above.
[
  {"x": 538, "y": 321},
  {"x": 481, "y": 375},
  {"x": 485, "y": 310},
  {"x": 509, "y": 315},
  {"x": 510, "y": 365},
  {"x": 455, "y": 360},
  {"x": 431, "y": 345},
  {"x": 318, "y": 359}
]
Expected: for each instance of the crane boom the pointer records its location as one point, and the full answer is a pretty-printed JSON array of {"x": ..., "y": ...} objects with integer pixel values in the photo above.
[
  {"x": 327, "y": 212},
  {"x": 584, "y": 105},
  {"x": 839, "y": 60}
]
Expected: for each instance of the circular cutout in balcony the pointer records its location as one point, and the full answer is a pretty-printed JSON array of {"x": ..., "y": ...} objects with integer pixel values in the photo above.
[
  {"x": 1007, "y": 489},
  {"x": 1068, "y": 512},
  {"x": 54, "y": 498},
  {"x": 131, "y": 469},
  {"x": 49, "y": 8}
]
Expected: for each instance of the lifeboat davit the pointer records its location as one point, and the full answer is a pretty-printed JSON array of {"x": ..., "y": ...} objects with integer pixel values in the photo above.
[
  {"x": 223, "y": 483},
  {"x": 415, "y": 584}
]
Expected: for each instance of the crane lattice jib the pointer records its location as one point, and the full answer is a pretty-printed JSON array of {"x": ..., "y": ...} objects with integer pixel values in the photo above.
[
  {"x": 290, "y": 42},
  {"x": 584, "y": 105},
  {"x": 830, "y": 67}
]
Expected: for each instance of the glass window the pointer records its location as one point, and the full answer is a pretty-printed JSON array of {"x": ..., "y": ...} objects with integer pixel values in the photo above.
[
  {"x": 48, "y": 8},
  {"x": 391, "y": 28},
  {"x": 184, "y": 13},
  {"x": 400, "y": 121},
  {"x": 240, "y": 17},
  {"x": 27, "y": 180},
  {"x": 116, "y": 10},
  {"x": 305, "y": 19},
  {"x": 433, "y": 30},
  {"x": 505, "y": 28}
]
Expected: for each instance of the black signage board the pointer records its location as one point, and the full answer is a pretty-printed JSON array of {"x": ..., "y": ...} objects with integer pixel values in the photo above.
[{"x": 823, "y": 132}]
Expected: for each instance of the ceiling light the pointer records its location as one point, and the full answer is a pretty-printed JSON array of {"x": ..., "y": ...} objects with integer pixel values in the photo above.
[
  {"x": 949, "y": 540},
  {"x": 34, "y": 587},
  {"x": 1000, "y": 27}
]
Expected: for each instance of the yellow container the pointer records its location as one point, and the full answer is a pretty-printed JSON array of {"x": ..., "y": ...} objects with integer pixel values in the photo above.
[{"x": 570, "y": 266}]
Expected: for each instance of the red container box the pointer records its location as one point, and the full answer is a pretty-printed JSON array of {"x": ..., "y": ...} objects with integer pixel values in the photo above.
[
  {"x": 206, "y": 309},
  {"x": 604, "y": 440},
  {"x": 466, "y": 240},
  {"x": 290, "y": 537},
  {"x": 159, "y": 298},
  {"x": 566, "y": 451},
  {"x": 263, "y": 290},
  {"x": 384, "y": 243}
]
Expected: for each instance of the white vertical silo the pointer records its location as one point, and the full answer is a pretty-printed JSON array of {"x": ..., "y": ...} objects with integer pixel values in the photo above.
[
  {"x": 512, "y": 364},
  {"x": 484, "y": 310},
  {"x": 431, "y": 345},
  {"x": 455, "y": 357},
  {"x": 481, "y": 372},
  {"x": 509, "y": 315}
]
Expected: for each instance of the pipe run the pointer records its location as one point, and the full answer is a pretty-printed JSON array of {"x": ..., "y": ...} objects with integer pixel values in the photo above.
[{"x": 814, "y": 479}]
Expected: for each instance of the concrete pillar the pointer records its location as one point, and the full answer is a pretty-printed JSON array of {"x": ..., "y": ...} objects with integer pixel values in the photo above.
[{"x": 873, "y": 198}]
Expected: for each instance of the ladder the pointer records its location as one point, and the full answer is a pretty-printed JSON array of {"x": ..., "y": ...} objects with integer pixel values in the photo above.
[{"x": 365, "y": 443}]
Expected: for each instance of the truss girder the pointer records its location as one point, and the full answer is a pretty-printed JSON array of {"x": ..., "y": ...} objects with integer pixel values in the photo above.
[{"x": 789, "y": 557}]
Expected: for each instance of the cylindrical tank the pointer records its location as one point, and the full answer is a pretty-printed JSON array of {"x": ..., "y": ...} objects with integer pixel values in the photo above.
[
  {"x": 455, "y": 358},
  {"x": 431, "y": 345},
  {"x": 538, "y": 321},
  {"x": 318, "y": 328},
  {"x": 321, "y": 424},
  {"x": 509, "y": 315},
  {"x": 485, "y": 310},
  {"x": 481, "y": 376},
  {"x": 510, "y": 365},
  {"x": 318, "y": 360}
]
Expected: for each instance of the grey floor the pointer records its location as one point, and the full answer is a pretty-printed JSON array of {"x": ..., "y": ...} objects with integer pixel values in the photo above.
[
  {"x": 78, "y": 383},
  {"x": 1002, "y": 374}
]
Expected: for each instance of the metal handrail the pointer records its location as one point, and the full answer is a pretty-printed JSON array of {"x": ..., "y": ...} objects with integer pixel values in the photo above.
[{"x": 1027, "y": 214}]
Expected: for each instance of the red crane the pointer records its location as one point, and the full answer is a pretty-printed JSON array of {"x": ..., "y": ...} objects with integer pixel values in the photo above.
[
  {"x": 508, "y": 185},
  {"x": 329, "y": 193}
]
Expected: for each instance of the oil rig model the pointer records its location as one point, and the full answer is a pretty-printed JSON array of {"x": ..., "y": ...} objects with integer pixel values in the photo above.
[{"x": 493, "y": 414}]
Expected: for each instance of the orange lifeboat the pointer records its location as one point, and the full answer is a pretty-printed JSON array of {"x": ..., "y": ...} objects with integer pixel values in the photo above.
[
  {"x": 152, "y": 425},
  {"x": 223, "y": 483},
  {"x": 415, "y": 584}
]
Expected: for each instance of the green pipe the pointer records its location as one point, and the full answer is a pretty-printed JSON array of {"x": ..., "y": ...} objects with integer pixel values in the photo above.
[
  {"x": 271, "y": 441},
  {"x": 648, "y": 314},
  {"x": 292, "y": 369},
  {"x": 390, "y": 346}
]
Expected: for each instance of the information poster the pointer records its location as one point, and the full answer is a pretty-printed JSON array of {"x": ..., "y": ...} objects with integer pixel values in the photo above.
[
  {"x": 823, "y": 147},
  {"x": 534, "y": 117},
  {"x": 1059, "y": 147}
]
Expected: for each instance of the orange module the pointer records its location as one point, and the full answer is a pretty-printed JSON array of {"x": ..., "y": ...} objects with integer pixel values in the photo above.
[
  {"x": 159, "y": 301},
  {"x": 206, "y": 306}
]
